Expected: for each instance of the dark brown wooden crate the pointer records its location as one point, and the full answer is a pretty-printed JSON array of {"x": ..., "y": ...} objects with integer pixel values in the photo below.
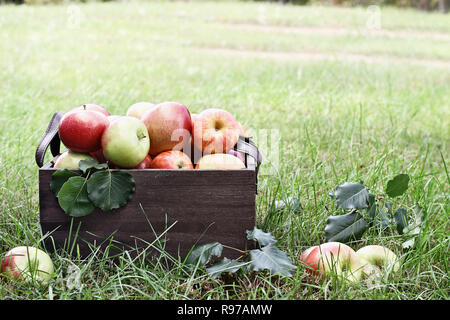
[{"x": 187, "y": 206}]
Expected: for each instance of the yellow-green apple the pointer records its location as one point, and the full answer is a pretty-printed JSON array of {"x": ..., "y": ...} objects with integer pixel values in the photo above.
[
  {"x": 81, "y": 130},
  {"x": 169, "y": 127},
  {"x": 70, "y": 159},
  {"x": 138, "y": 109},
  {"x": 111, "y": 118},
  {"x": 92, "y": 107},
  {"x": 125, "y": 142},
  {"x": 217, "y": 131},
  {"x": 377, "y": 258},
  {"x": 145, "y": 164},
  {"x": 218, "y": 161},
  {"x": 27, "y": 264},
  {"x": 332, "y": 258},
  {"x": 172, "y": 159}
]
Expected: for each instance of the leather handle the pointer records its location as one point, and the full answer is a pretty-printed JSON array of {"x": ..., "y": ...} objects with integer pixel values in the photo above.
[
  {"x": 247, "y": 146},
  {"x": 50, "y": 138}
]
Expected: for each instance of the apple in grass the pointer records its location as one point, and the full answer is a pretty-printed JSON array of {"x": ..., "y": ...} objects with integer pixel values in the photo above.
[
  {"x": 81, "y": 130},
  {"x": 172, "y": 159},
  {"x": 70, "y": 159},
  {"x": 377, "y": 259},
  {"x": 333, "y": 258},
  {"x": 220, "y": 161},
  {"x": 125, "y": 142},
  {"x": 138, "y": 109},
  {"x": 27, "y": 264},
  {"x": 216, "y": 131},
  {"x": 169, "y": 127}
]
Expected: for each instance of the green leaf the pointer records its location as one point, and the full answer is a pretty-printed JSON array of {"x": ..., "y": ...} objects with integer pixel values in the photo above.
[
  {"x": 110, "y": 190},
  {"x": 397, "y": 186},
  {"x": 73, "y": 197},
  {"x": 226, "y": 265},
  {"x": 273, "y": 259},
  {"x": 59, "y": 178},
  {"x": 400, "y": 220},
  {"x": 88, "y": 164},
  {"x": 203, "y": 253},
  {"x": 263, "y": 238},
  {"x": 351, "y": 196},
  {"x": 290, "y": 203},
  {"x": 345, "y": 227}
]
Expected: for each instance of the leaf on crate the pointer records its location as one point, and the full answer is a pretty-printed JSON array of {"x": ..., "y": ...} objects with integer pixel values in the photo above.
[
  {"x": 263, "y": 238},
  {"x": 59, "y": 177},
  {"x": 343, "y": 228},
  {"x": 110, "y": 190},
  {"x": 227, "y": 266},
  {"x": 398, "y": 185},
  {"x": 400, "y": 219},
  {"x": 203, "y": 253},
  {"x": 351, "y": 195},
  {"x": 73, "y": 197},
  {"x": 273, "y": 259},
  {"x": 88, "y": 164}
]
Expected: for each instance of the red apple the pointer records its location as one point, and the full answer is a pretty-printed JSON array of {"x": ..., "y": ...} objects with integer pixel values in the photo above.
[
  {"x": 70, "y": 159},
  {"x": 333, "y": 258},
  {"x": 81, "y": 130},
  {"x": 27, "y": 264},
  {"x": 137, "y": 110},
  {"x": 169, "y": 127},
  {"x": 98, "y": 155},
  {"x": 92, "y": 107},
  {"x": 172, "y": 159},
  {"x": 220, "y": 161},
  {"x": 217, "y": 131},
  {"x": 145, "y": 164}
]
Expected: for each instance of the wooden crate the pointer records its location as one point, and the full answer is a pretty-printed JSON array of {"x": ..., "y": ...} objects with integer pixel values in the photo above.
[{"x": 171, "y": 209}]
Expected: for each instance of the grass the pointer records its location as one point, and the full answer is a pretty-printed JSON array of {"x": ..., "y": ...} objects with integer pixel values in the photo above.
[{"x": 336, "y": 119}]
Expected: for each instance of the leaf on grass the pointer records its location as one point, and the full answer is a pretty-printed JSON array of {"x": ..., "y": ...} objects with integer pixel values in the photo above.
[
  {"x": 73, "y": 197},
  {"x": 398, "y": 185},
  {"x": 413, "y": 229},
  {"x": 351, "y": 196},
  {"x": 290, "y": 203},
  {"x": 88, "y": 164},
  {"x": 343, "y": 228},
  {"x": 226, "y": 265},
  {"x": 400, "y": 220},
  {"x": 59, "y": 178},
  {"x": 263, "y": 238},
  {"x": 273, "y": 259},
  {"x": 203, "y": 253},
  {"x": 110, "y": 190}
]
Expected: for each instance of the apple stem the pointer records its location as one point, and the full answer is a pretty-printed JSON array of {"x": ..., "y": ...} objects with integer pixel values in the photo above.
[{"x": 84, "y": 106}]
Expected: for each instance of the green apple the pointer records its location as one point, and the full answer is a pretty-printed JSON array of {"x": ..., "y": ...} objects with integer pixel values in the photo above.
[
  {"x": 70, "y": 159},
  {"x": 125, "y": 142},
  {"x": 377, "y": 259},
  {"x": 138, "y": 109}
]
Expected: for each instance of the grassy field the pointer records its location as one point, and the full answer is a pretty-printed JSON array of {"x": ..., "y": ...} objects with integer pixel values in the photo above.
[{"x": 353, "y": 95}]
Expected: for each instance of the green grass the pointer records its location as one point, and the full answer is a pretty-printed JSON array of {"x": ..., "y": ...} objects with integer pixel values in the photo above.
[{"x": 337, "y": 120}]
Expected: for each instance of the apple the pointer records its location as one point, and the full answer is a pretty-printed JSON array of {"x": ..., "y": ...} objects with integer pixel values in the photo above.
[
  {"x": 172, "y": 159},
  {"x": 169, "y": 127},
  {"x": 81, "y": 130},
  {"x": 92, "y": 107},
  {"x": 220, "y": 161},
  {"x": 98, "y": 155},
  {"x": 145, "y": 164},
  {"x": 111, "y": 118},
  {"x": 125, "y": 142},
  {"x": 190, "y": 149},
  {"x": 138, "y": 109},
  {"x": 27, "y": 264},
  {"x": 332, "y": 258},
  {"x": 70, "y": 159},
  {"x": 377, "y": 258},
  {"x": 216, "y": 131}
]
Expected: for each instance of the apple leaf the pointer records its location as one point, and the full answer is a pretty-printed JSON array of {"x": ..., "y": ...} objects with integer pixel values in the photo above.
[
  {"x": 88, "y": 164},
  {"x": 345, "y": 227},
  {"x": 59, "y": 177},
  {"x": 351, "y": 195},
  {"x": 271, "y": 258},
  {"x": 400, "y": 219},
  {"x": 226, "y": 265},
  {"x": 397, "y": 186},
  {"x": 73, "y": 197},
  {"x": 203, "y": 253},
  {"x": 263, "y": 238}
]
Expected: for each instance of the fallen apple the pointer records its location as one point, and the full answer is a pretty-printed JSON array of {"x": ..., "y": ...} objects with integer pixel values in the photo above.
[
  {"x": 172, "y": 159},
  {"x": 125, "y": 142},
  {"x": 27, "y": 264},
  {"x": 81, "y": 130},
  {"x": 377, "y": 259},
  {"x": 219, "y": 161},
  {"x": 138, "y": 109},
  {"x": 332, "y": 258},
  {"x": 70, "y": 159}
]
